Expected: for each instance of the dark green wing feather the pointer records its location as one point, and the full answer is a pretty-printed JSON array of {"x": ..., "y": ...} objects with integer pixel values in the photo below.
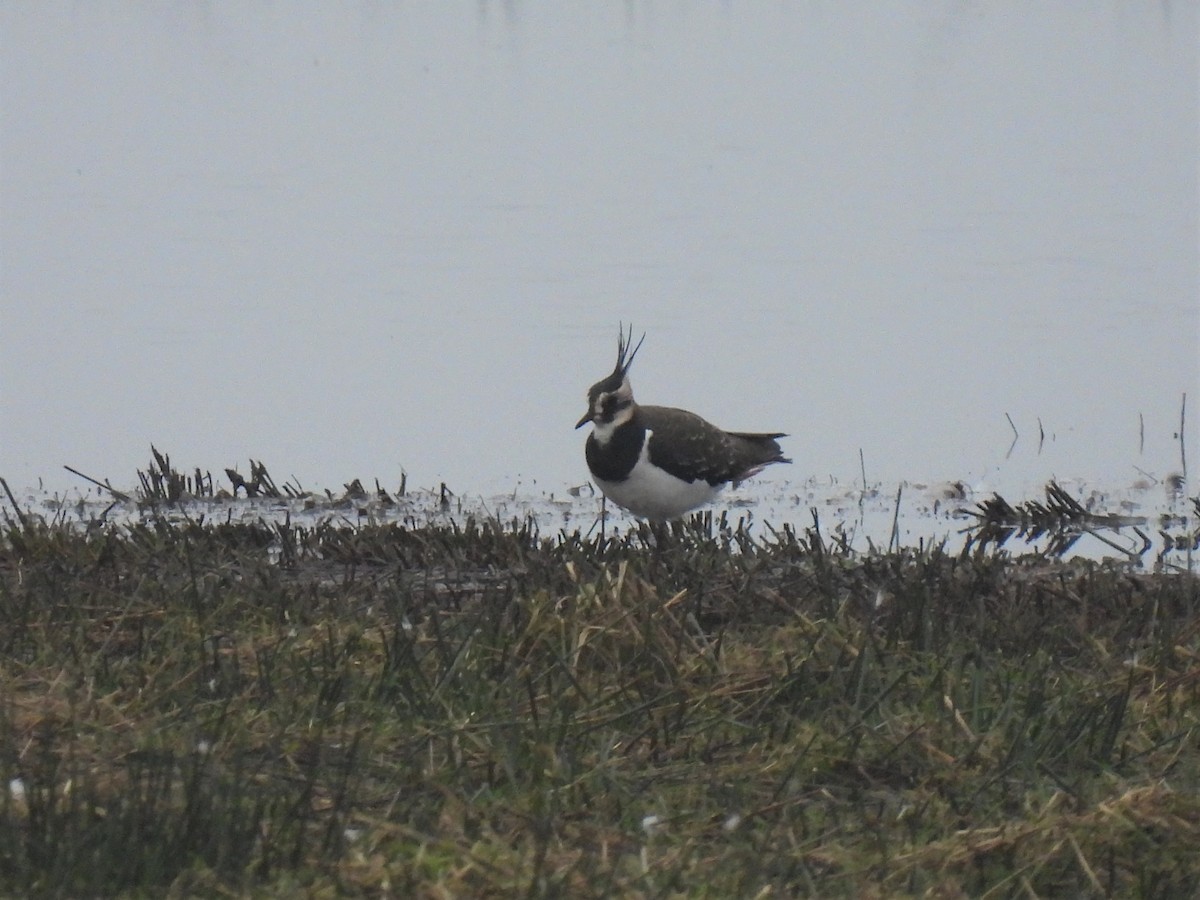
[{"x": 693, "y": 448}]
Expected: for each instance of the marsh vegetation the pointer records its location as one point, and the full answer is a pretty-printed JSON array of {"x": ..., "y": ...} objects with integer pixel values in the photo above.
[{"x": 478, "y": 709}]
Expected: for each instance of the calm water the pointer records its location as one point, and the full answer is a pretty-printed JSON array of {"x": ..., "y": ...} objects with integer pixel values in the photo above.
[{"x": 355, "y": 239}]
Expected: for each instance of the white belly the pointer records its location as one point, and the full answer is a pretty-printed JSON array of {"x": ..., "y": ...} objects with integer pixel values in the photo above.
[{"x": 653, "y": 494}]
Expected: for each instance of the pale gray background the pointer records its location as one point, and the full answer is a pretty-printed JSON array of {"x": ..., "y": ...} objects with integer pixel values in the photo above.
[{"x": 350, "y": 238}]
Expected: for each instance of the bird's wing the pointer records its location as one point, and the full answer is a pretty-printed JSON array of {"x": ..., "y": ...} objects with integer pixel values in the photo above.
[{"x": 692, "y": 448}]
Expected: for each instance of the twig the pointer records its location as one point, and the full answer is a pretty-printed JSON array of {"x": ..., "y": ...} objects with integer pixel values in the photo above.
[
  {"x": 862, "y": 465},
  {"x": 1182, "y": 448},
  {"x": 1129, "y": 553},
  {"x": 895, "y": 538},
  {"x": 109, "y": 488},
  {"x": 1142, "y": 433},
  {"x": 13, "y": 501},
  {"x": 1016, "y": 435}
]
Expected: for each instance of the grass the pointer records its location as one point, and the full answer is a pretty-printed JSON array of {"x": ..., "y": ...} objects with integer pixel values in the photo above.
[{"x": 481, "y": 711}]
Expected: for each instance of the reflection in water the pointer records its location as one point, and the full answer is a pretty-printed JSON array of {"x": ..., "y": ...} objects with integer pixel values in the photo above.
[{"x": 1144, "y": 527}]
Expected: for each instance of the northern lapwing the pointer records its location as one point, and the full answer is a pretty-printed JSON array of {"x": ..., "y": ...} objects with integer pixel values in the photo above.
[{"x": 658, "y": 462}]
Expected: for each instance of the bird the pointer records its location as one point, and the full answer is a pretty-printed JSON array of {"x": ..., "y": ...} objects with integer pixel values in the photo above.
[{"x": 659, "y": 462}]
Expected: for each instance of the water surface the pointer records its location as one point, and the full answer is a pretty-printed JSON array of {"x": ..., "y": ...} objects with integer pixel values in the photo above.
[{"x": 363, "y": 239}]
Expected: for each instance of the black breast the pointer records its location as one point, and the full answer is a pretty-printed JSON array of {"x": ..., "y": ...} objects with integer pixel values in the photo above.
[{"x": 615, "y": 460}]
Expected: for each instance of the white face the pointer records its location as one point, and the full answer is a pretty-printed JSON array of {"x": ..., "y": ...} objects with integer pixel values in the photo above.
[{"x": 611, "y": 409}]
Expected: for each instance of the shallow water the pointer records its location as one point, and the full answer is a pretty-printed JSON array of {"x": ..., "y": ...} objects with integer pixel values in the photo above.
[
  {"x": 1144, "y": 526},
  {"x": 361, "y": 240}
]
